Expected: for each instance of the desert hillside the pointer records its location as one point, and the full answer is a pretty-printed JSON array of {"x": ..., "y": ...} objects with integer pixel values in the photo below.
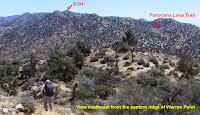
[{"x": 44, "y": 32}]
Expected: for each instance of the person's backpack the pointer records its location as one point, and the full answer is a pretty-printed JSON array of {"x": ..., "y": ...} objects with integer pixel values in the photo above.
[{"x": 48, "y": 89}]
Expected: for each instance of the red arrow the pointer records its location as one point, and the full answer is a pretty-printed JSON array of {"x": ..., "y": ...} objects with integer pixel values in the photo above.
[
  {"x": 156, "y": 24},
  {"x": 69, "y": 7}
]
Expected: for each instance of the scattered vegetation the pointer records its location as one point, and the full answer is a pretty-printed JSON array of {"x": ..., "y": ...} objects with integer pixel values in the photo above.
[
  {"x": 154, "y": 61},
  {"x": 141, "y": 61},
  {"x": 29, "y": 107},
  {"x": 83, "y": 93}
]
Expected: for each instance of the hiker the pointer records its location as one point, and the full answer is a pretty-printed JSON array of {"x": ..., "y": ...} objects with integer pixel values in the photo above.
[{"x": 48, "y": 92}]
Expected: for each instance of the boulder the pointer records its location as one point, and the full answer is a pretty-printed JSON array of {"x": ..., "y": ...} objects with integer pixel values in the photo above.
[
  {"x": 4, "y": 110},
  {"x": 19, "y": 107}
]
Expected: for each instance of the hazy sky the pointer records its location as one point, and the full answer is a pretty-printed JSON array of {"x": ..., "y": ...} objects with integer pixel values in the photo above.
[{"x": 124, "y": 8}]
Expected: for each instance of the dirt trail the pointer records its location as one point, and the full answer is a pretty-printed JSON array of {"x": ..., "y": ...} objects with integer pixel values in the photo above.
[{"x": 41, "y": 111}]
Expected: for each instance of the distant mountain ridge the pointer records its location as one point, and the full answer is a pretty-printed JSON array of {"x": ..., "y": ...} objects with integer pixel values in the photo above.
[{"x": 43, "y": 32}]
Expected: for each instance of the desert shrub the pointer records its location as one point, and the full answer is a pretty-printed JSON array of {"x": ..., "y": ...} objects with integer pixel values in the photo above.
[
  {"x": 104, "y": 91},
  {"x": 146, "y": 80},
  {"x": 94, "y": 59},
  {"x": 103, "y": 76},
  {"x": 131, "y": 69},
  {"x": 83, "y": 93},
  {"x": 154, "y": 61},
  {"x": 123, "y": 48},
  {"x": 42, "y": 68},
  {"x": 16, "y": 63},
  {"x": 103, "y": 61},
  {"x": 27, "y": 83},
  {"x": 115, "y": 70},
  {"x": 85, "y": 81},
  {"x": 171, "y": 63},
  {"x": 110, "y": 59},
  {"x": 193, "y": 91},
  {"x": 173, "y": 73},
  {"x": 156, "y": 72},
  {"x": 139, "y": 68},
  {"x": 90, "y": 72},
  {"x": 126, "y": 64},
  {"x": 57, "y": 89},
  {"x": 164, "y": 67},
  {"x": 165, "y": 61},
  {"x": 146, "y": 64},
  {"x": 107, "y": 59},
  {"x": 62, "y": 102},
  {"x": 29, "y": 107},
  {"x": 110, "y": 64},
  {"x": 126, "y": 57},
  {"x": 196, "y": 65},
  {"x": 140, "y": 61},
  {"x": 177, "y": 93},
  {"x": 101, "y": 53},
  {"x": 132, "y": 94},
  {"x": 3, "y": 62},
  {"x": 153, "y": 78}
]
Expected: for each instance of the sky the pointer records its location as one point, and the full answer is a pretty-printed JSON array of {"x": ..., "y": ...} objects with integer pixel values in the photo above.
[{"x": 123, "y": 8}]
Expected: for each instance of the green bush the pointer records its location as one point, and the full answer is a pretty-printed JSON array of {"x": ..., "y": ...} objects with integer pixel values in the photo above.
[
  {"x": 104, "y": 91},
  {"x": 28, "y": 106},
  {"x": 186, "y": 66},
  {"x": 173, "y": 73},
  {"x": 61, "y": 67},
  {"x": 83, "y": 93},
  {"x": 140, "y": 61}
]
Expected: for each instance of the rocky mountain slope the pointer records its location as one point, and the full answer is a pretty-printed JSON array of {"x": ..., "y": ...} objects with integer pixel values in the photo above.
[{"x": 43, "y": 32}]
